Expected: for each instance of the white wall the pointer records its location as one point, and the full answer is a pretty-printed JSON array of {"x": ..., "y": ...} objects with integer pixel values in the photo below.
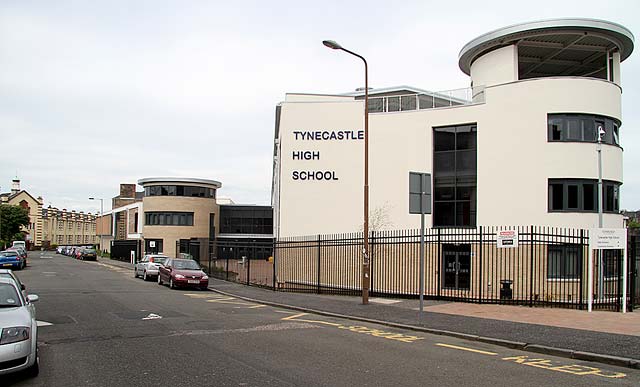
[
  {"x": 496, "y": 67},
  {"x": 515, "y": 159}
]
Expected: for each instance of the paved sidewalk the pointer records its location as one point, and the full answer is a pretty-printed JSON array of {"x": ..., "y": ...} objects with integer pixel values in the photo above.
[{"x": 572, "y": 333}]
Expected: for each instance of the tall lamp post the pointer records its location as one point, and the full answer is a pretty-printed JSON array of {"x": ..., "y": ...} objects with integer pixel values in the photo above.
[
  {"x": 365, "y": 249},
  {"x": 101, "y": 214}
]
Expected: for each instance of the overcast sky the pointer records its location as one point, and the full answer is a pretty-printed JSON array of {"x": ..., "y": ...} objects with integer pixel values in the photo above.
[{"x": 98, "y": 93}]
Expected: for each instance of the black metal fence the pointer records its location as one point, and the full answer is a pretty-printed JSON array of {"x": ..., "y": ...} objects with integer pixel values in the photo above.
[{"x": 543, "y": 267}]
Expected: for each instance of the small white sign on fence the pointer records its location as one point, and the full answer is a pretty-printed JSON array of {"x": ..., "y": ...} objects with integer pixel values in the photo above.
[
  {"x": 607, "y": 238},
  {"x": 507, "y": 239}
]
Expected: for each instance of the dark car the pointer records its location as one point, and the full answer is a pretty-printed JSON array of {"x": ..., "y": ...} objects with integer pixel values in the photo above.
[
  {"x": 11, "y": 259},
  {"x": 87, "y": 254},
  {"x": 184, "y": 273}
]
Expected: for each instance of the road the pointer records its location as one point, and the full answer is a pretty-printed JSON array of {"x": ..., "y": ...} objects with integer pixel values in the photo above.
[{"x": 109, "y": 329}]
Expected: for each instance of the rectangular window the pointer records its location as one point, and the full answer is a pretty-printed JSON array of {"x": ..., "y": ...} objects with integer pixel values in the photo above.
[
  {"x": 393, "y": 104},
  {"x": 555, "y": 129},
  {"x": 580, "y": 195},
  {"x": 572, "y": 196},
  {"x": 589, "y": 197},
  {"x": 557, "y": 196},
  {"x": 168, "y": 218},
  {"x": 564, "y": 261},
  {"x": 455, "y": 171}
]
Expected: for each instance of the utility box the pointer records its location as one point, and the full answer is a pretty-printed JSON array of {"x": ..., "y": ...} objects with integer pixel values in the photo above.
[{"x": 506, "y": 293}]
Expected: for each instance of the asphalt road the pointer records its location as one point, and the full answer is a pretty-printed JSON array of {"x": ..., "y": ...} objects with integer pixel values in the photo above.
[{"x": 109, "y": 329}]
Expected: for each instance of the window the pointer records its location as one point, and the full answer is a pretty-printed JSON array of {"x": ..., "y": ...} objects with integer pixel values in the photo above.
[
  {"x": 564, "y": 261},
  {"x": 246, "y": 220},
  {"x": 168, "y": 218},
  {"x": 580, "y": 195},
  {"x": 180, "y": 190},
  {"x": 455, "y": 176},
  {"x": 582, "y": 128}
]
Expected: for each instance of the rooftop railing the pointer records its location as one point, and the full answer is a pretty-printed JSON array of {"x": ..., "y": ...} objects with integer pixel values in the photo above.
[{"x": 408, "y": 102}]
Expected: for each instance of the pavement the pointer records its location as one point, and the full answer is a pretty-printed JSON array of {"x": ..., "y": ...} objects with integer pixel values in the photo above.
[{"x": 605, "y": 337}]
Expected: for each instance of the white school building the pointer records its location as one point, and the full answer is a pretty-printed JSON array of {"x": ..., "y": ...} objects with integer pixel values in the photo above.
[{"x": 519, "y": 147}]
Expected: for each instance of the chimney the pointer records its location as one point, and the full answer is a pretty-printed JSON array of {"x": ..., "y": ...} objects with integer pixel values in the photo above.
[
  {"x": 127, "y": 191},
  {"x": 15, "y": 186}
]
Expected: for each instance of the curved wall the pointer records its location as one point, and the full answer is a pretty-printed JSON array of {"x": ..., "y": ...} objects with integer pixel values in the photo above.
[
  {"x": 515, "y": 158},
  {"x": 201, "y": 208}
]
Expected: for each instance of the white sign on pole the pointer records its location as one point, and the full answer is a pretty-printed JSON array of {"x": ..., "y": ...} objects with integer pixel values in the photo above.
[
  {"x": 607, "y": 238},
  {"x": 507, "y": 238}
]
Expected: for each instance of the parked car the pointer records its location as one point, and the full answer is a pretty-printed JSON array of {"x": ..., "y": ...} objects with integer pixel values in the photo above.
[
  {"x": 8, "y": 273},
  {"x": 182, "y": 273},
  {"x": 21, "y": 252},
  {"x": 59, "y": 249},
  {"x": 18, "y": 326},
  {"x": 11, "y": 259},
  {"x": 148, "y": 266},
  {"x": 86, "y": 254}
]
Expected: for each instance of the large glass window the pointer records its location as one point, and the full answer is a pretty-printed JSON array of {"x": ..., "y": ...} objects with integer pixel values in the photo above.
[
  {"x": 168, "y": 218},
  {"x": 455, "y": 176},
  {"x": 580, "y": 195},
  {"x": 246, "y": 220},
  {"x": 180, "y": 190},
  {"x": 582, "y": 128}
]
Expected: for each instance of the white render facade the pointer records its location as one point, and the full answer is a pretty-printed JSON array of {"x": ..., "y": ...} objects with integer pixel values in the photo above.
[{"x": 518, "y": 149}]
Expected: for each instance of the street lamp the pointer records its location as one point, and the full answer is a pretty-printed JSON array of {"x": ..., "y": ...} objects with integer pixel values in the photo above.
[
  {"x": 365, "y": 250},
  {"x": 101, "y": 214}
]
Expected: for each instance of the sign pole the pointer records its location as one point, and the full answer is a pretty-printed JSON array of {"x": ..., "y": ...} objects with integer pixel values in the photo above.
[
  {"x": 590, "y": 281},
  {"x": 422, "y": 261}
]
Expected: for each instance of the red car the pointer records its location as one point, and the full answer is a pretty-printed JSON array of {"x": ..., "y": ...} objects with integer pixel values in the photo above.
[{"x": 184, "y": 273}]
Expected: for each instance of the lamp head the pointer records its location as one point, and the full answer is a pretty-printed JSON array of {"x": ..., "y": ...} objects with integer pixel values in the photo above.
[
  {"x": 92, "y": 198},
  {"x": 332, "y": 44}
]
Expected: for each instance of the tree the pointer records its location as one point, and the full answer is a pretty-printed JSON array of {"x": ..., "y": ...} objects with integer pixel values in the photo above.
[
  {"x": 633, "y": 224},
  {"x": 11, "y": 218},
  {"x": 379, "y": 218}
]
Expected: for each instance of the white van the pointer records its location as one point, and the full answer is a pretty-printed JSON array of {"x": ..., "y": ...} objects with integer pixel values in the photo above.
[{"x": 22, "y": 244}]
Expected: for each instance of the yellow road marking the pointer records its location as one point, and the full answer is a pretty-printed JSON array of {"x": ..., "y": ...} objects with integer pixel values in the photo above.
[
  {"x": 256, "y": 306},
  {"x": 573, "y": 369},
  {"x": 193, "y": 295},
  {"x": 359, "y": 329},
  {"x": 466, "y": 349}
]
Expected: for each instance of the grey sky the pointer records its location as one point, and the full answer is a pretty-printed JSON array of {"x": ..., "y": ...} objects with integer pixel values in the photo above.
[{"x": 97, "y": 93}]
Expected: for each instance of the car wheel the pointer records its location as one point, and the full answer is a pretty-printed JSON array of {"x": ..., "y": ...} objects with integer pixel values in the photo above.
[
  {"x": 159, "y": 279},
  {"x": 34, "y": 370},
  {"x": 144, "y": 276},
  {"x": 171, "y": 285}
]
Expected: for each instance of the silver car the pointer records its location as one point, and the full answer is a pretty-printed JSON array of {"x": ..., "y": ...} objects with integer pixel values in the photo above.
[
  {"x": 18, "y": 330},
  {"x": 148, "y": 266}
]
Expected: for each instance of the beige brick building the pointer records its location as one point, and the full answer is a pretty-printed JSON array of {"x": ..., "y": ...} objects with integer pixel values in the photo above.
[{"x": 51, "y": 226}]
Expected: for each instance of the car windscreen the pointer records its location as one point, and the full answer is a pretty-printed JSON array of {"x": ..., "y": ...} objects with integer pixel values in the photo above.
[
  {"x": 186, "y": 265},
  {"x": 8, "y": 296},
  {"x": 89, "y": 251}
]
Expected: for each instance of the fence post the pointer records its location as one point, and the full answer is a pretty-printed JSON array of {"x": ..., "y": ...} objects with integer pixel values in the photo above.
[
  {"x": 480, "y": 265},
  {"x": 531, "y": 267},
  {"x": 439, "y": 263},
  {"x": 275, "y": 254},
  {"x": 318, "y": 274},
  {"x": 226, "y": 270},
  {"x": 581, "y": 269},
  {"x": 371, "y": 250},
  {"x": 248, "y": 270}
]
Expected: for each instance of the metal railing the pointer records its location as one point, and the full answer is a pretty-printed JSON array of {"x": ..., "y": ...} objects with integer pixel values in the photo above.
[
  {"x": 546, "y": 267},
  {"x": 408, "y": 102}
]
